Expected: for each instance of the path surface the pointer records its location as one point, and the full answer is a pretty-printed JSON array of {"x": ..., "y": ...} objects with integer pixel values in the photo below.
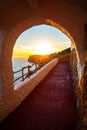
[{"x": 51, "y": 106}]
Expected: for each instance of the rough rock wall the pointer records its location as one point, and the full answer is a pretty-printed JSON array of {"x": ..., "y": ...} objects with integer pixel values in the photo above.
[
  {"x": 80, "y": 90},
  {"x": 73, "y": 63},
  {"x": 83, "y": 87},
  {"x": 74, "y": 69},
  {"x": 83, "y": 99}
]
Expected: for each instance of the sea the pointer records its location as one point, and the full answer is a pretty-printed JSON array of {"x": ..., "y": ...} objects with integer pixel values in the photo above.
[{"x": 18, "y": 64}]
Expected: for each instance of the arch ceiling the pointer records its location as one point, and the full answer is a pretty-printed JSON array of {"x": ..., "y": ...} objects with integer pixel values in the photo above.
[
  {"x": 34, "y": 4},
  {"x": 10, "y": 15}
]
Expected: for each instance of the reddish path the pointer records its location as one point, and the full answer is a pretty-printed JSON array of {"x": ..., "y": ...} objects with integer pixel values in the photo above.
[{"x": 51, "y": 106}]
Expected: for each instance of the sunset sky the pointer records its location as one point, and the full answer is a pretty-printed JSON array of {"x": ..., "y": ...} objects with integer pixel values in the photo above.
[{"x": 41, "y": 39}]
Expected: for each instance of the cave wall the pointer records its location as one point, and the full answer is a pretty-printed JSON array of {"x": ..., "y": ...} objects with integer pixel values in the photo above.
[{"x": 69, "y": 18}]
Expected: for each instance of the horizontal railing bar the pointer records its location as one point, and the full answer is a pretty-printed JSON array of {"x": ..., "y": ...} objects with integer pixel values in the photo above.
[
  {"x": 17, "y": 71},
  {"x": 18, "y": 78},
  {"x": 24, "y": 74},
  {"x": 23, "y": 68},
  {"x": 29, "y": 72}
]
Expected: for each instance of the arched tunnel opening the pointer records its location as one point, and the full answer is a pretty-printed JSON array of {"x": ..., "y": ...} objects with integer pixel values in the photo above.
[
  {"x": 43, "y": 42},
  {"x": 70, "y": 17},
  {"x": 17, "y": 92}
]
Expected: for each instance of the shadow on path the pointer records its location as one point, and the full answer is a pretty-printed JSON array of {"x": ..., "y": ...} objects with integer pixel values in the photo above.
[{"x": 51, "y": 106}]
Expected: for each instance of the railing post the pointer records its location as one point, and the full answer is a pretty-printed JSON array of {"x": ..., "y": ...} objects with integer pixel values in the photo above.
[
  {"x": 22, "y": 74},
  {"x": 27, "y": 74},
  {"x": 28, "y": 71},
  {"x": 35, "y": 68}
]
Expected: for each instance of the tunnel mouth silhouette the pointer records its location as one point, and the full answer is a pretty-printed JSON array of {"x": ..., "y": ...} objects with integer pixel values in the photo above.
[
  {"x": 9, "y": 94},
  {"x": 46, "y": 41},
  {"x": 9, "y": 43}
]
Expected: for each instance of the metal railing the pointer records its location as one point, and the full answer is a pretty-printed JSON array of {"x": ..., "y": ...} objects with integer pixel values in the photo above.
[{"x": 26, "y": 71}]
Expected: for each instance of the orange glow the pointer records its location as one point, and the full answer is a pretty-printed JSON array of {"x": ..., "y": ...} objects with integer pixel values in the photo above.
[
  {"x": 41, "y": 48},
  {"x": 20, "y": 55},
  {"x": 20, "y": 52}
]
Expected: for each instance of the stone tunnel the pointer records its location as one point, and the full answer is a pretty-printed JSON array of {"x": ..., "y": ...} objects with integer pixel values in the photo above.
[{"x": 16, "y": 16}]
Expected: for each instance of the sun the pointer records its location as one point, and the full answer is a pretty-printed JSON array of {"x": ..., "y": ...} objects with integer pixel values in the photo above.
[{"x": 43, "y": 48}]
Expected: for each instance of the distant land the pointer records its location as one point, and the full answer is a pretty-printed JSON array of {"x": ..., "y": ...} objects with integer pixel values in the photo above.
[{"x": 38, "y": 59}]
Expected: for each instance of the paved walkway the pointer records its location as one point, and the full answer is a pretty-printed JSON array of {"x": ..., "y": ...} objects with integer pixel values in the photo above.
[{"x": 51, "y": 106}]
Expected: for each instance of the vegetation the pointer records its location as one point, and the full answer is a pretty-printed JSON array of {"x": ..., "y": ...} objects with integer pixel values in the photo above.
[
  {"x": 68, "y": 50},
  {"x": 64, "y": 56}
]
